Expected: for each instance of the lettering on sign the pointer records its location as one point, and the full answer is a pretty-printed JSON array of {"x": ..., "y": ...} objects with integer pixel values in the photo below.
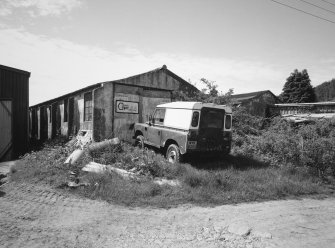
[{"x": 126, "y": 107}]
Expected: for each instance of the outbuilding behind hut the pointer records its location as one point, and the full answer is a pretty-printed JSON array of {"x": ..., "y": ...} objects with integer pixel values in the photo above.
[
  {"x": 256, "y": 103},
  {"x": 14, "y": 103}
]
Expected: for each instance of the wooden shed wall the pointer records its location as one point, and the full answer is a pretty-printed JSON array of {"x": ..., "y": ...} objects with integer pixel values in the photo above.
[
  {"x": 14, "y": 85},
  {"x": 260, "y": 105},
  {"x": 148, "y": 89}
]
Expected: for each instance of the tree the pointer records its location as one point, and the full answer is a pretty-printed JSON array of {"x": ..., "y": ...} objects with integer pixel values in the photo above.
[
  {"x": 298, "y": 88},
  {"x": 209, "y": 94},
  {"x": 325, "y": 91}
]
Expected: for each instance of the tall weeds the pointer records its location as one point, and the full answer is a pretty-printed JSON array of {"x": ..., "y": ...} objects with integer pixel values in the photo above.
[{"x": 285, "y": 144}]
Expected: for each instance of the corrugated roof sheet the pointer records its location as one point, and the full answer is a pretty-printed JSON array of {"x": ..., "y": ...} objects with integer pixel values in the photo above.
[
  {"x": 305, "y": 104},
  {"x": 247, "y": 96},
  {"x": 164, "y": 67},
  {"x": 14, "y": 69},
  {"x": 252, "y": 95}
]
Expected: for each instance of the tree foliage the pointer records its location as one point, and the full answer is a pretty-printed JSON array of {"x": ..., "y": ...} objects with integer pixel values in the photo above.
[
  {"x": 298, "y": 88},
  {"x": 326, "y": 91},
  {"x": 208, "y": 94}
]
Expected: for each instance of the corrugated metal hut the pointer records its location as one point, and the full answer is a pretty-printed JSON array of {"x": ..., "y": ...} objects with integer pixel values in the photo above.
[
  {"x": 304, "y": 112},
  {"x": 14, "y": 103},
  {"x": 256, "y": 103},
  {"x": 107, "y": 109}
]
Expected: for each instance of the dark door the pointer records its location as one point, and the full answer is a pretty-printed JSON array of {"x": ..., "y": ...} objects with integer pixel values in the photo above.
[
  {"x": 5, "y": 129},
  {"x": 43, "y": 123},
  {"x": 211, "y": 128},
  {"x": 70, "y": 117},
  {"x": 53, "y": 120}
]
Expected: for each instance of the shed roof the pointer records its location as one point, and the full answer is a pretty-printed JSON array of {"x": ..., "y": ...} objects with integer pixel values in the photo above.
[
  {"x": 306, "y": 104},
  {"x": 14, "y": 70},
  {"x": 97, "y": 85},
  {"x": 248, "y": 96},
  {"x": 88, "y": 88}
]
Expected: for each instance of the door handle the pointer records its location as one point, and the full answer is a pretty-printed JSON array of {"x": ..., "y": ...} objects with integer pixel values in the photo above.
[
  {"x": 145, "y": 128},
  {"x": 159, "y": 132}
]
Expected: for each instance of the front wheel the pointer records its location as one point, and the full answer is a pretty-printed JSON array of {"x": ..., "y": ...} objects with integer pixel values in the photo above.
[{"x": 173, "y": 154}]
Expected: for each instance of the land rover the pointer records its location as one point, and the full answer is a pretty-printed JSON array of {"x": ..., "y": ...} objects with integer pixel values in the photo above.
[{"x": 180, "y": 128}]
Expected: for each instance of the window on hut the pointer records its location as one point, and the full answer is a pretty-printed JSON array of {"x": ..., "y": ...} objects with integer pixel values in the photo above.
[{"x": 88, "y": 106}]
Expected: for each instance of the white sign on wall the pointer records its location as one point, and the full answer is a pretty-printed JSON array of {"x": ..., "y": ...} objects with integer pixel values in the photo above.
[{"x": 126, "y": 107}]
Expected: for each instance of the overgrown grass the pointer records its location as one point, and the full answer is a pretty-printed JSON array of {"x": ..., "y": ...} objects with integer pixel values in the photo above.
[
  {"x": 310, "y": 146},
  {"x": 202, "y": 181}
]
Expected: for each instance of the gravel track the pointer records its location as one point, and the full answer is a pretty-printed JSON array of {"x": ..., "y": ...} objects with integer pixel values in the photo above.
[{"x": 38, "y": 216}]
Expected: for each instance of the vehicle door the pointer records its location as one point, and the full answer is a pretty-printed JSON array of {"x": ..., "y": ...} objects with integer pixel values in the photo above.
[
  {"x": 211, "y": 128},
  {"x": 155, "y": 129}
]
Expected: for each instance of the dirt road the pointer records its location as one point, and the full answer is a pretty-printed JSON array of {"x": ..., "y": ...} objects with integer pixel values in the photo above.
[{"x": 36, "y": 216}]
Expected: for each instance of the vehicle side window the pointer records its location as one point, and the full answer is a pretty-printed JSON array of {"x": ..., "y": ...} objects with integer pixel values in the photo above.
[
  {"x": 195, "y": 119},
  {"x": 228, "y": 122},
  {"x": 159, "y": 116}
]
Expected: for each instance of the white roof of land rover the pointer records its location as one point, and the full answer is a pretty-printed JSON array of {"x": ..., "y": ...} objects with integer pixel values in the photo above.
[{"x": 193, "y": 105}]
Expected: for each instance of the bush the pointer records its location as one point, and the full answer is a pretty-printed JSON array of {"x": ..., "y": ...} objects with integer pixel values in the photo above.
[{"x": 283, "y": 143}]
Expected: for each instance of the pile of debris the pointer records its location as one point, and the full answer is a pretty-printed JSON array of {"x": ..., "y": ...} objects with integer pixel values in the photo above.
[
  {"x": 76, "y": 155},
  {"x": 5, "y": 169},
  {"x": 3, "y": 179},
  {"x": 83, "y": 146}
]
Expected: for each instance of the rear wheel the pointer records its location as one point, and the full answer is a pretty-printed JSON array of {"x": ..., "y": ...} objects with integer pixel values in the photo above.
[
  {"x": 173, "y": 154},
  {"x": 139, "y": 141}
]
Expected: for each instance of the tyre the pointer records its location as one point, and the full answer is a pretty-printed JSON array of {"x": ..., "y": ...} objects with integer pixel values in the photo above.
[
  {"x": 173, "y": 154},
  {"x": 139, "y": 141}
]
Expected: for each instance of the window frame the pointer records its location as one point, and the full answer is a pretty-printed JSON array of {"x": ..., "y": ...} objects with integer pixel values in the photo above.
[
  {"x": 193, "y": 118},
  {"x": 154, "y": 116},
  {"x": 230, "y": 121},
  {"x": 88, "y": 109},
  {"x": 204, "y": 120}
]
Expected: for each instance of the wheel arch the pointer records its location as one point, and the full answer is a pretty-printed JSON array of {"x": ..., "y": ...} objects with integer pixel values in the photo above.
[
  {"x": 137, "y": 133},
  {"x": 169, "y": 142}
]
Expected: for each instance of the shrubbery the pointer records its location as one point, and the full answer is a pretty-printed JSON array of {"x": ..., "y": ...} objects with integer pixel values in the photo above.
[
  {"x": 282, "y": 143},
  {"x": 276, "y": 141}
]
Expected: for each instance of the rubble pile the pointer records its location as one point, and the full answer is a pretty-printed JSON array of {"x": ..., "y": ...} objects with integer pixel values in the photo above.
[
  {"x": 5, "y": 169},
  {"x": 106, "y": 158}
]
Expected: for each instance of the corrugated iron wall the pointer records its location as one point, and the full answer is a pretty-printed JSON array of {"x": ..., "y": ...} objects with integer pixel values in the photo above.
[
  {"x": 14, "y": 86},
  {"x": 6, "y": 145}
]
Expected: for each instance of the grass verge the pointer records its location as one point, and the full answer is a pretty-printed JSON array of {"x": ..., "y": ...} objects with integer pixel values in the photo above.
[{"x": 202, "y": 182}]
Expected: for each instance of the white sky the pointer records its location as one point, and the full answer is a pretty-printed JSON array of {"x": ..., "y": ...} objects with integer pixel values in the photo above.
[{"x": 241, "y": 44}]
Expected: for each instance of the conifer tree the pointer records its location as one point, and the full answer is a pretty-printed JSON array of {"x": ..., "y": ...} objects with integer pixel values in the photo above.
[{"x": 298, "y": 88}]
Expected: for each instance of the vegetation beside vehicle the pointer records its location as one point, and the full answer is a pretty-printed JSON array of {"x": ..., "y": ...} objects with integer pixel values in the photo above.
[
  {"x": 270, "y": 159},
  {"x": 279, "y": 143},
  {"x": 266, "y": 163}
]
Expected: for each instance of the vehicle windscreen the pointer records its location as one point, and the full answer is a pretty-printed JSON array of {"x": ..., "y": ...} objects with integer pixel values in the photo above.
[{"x": 212, "y": 118}]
